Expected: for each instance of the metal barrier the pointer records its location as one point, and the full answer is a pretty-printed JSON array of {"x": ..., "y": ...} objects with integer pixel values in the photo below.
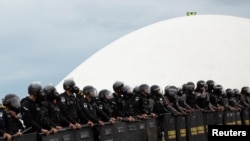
[
  {"x": 152, "y": 129},
  {"x": 195, "y": 127},
  {"x": 245, "y": 116},
  {"x": 238, "y": 118},
  {"x": 25, "y": 137},
  {"x": 229, "y": 118},
  {"x": 107, "y": 133},
  {"x": 180, "y": 127},
  {"x": 192, "y": 127}
]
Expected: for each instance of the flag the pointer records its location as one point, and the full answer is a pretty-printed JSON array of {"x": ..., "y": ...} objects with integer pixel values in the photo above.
[{"x": 191, "y": 13}]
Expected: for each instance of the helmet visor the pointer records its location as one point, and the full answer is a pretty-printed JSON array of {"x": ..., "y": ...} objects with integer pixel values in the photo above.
[{"x": 15, "y": 102}]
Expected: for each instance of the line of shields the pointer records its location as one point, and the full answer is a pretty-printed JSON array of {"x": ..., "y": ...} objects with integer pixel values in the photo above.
[
  {"x": 192, "y": 127},
  {"x": 139, "y": 130}
]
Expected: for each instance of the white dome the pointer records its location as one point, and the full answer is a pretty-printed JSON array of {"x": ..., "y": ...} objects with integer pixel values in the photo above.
[{"x": 173, "y": 52}]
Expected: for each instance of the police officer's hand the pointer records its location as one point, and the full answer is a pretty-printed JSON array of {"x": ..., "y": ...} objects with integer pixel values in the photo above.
[
  {"x": 112, "y": 121},
  {"x": 131, "y": 119},
  {"x": 7, "y": 136},
  {"x": 153, "y": 115},
  {"x": 144, "y": 116},
  {"x": 78, "y": 125},
  {"x": 90, "y": 123},
  {"x": 53, "y": 130},
  {"x": 119, "y": 118},
  {"x": 101, "y": 123},
  {"x": 19, "y": 133},
  {"x": 45, "y": 131},
  {"x": 72, "y": 126},
  {"x": 58, "y": 127}
]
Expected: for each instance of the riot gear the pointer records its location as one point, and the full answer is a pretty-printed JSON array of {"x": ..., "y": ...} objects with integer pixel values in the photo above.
[
  {"x": 117, "y": 86},
  {"x": 12, "y": 101},
  {"x": 218, "y": 89},
  {"x": 210, "y": 85},
  {"x": 90, "y": 90},
  {"x": 35, "y": 88},
  {"x": 127, "y": 91},
  {"x": 171, "y": 94},
  {"x": 104, "y": 94},
  {"x": 155, "y": 90},
  {"x": 245, "y": 90},
  {"x": 200, "y": 84},
  {"x": 51, "y": 92},
  {"x": 69, "y": 84},
  {"x": 144, "y": 89},
  {"x": 229, "y": 92}
]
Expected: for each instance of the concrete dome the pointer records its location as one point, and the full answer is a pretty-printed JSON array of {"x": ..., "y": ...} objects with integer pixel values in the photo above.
[{"x": 173, "y": 52}]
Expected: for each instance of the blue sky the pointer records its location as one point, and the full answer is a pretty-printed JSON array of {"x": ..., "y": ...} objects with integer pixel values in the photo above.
[{"x": 44, "y": 40}]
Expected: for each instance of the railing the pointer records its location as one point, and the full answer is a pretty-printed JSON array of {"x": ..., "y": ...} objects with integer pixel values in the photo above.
[{"x": 191, "y": 127}]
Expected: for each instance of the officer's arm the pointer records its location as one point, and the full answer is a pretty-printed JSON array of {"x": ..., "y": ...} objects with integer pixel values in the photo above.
[
  {"x": 102, "y": 114},
  {"x": 65, "y": 113},
  {"x": 87, "y": 116}
]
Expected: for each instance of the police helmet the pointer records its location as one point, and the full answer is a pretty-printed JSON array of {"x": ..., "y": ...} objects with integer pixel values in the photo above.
[
  {"x": 171, "y": 94},
  {"x": 218, "y": 89},
  {"x": 117, "y": 86},
  {"x": 201, "y": 83},
  {"x": 155, "y": 90},
  {"x": 136, "y": 90},
  {"x": 127, "y": 90},
  {"x": 144, "y": 88},
  {"x": 236, "y": 92},
  {"x": 104, "y": 93},
  {"x": 51, "y": 92},
  {"x": 35, "y": 88},
  {"x": 229, "y": 92},
  {"x": 245, "y": 90},
  {"x": 12, "y": 101},
  {"x": 90, "y": 90},
  {"x": 68, "y": 84}
]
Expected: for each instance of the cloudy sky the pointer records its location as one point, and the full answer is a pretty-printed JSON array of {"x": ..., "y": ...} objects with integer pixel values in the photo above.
[{"x": 44, "y": 40}]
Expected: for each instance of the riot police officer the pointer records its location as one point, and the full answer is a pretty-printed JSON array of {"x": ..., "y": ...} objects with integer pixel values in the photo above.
[
  {"x": 12, "y": 123},
  {"x": 173, "y": 105},
  {"x": 34, "y": 114},
  {"x": 90, "y": 108},
  {"x": 217, "y": 98},
  {"x": 104, "y": 102},
  {"x": 203, "y": 99},
  {"x": 144, "y": 103},
  {"x": 117, "y": 99},
  {"x": 129, "y": 98},
  {"x": 156, "y": 94},
  {"x": 245, "y": 96},
  {"x": 70, "y": 106},
  {"x": 54, "y": 109}
]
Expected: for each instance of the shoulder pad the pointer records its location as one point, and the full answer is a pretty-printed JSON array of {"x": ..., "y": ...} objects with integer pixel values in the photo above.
[
  {"x": 63, "y": 99},
  {"x": 25, "y": 108},
  {"x": 85, "y": 105},
  {"x": 137, "y": 98}
]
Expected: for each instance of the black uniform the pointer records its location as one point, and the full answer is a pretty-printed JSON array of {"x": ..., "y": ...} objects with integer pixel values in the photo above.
[
  {"x": 56, "y": 115},
  {"x": 11, "y": 125},
  {"x": 119, "y": 106},
  {"x": 71, "y": 109},
  {"x": 92, "y": 111},
  {"x": 106, "y": 107},
  {"x": 35, "y": 115}
]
